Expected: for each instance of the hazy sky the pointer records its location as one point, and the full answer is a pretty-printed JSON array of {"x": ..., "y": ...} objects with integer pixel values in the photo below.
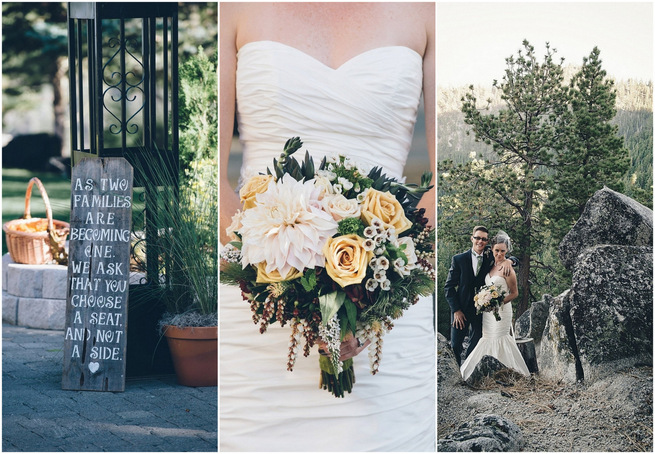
[{"x": 473, "y": 39}]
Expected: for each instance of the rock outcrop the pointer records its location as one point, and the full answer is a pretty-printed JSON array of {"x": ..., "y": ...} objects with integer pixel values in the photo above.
[
  {"x": 604, "y": 322},
  {"x": 487, "y": 367},
  {"x": 608, "y": 218},
  {"x": 558, "y": 356},
  {"x": 533, "y": 321},
  {"x": 611, "y": 303},
  {"x": 448, "y": 373},
  {"x": 488, "y": 433}
]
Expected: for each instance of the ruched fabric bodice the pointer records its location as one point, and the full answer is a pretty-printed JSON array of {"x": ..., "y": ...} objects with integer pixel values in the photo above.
[
  {"x": 497, "y": 337},
  {"x": 366, "y": 110}
]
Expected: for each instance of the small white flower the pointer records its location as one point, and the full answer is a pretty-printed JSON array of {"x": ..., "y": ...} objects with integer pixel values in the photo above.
[
  {"x": 371, "y": 285},
  {"x": 345, "y": 183},
  {"x": 368, "y": 244},
  {"x": 385, "y": 285},
  {"x": 379, "y": 250},
  {"x": 383, "y": 263},
  {"x": 380, "y": 275},
  {"x": 369, "y": 232},
  {"x": 326, "y": 174},
  {"x": 338, "y": 189},
  {"x": 376, "y": 222}
]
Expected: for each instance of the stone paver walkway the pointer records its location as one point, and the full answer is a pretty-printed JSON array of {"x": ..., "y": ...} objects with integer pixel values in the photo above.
[{"x": 153, "y": 414}]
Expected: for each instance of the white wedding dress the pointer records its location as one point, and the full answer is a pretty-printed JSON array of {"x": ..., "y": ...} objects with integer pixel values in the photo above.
[
  {"x": 497, "y": 337},
  {"x": 365, "y": 109}
]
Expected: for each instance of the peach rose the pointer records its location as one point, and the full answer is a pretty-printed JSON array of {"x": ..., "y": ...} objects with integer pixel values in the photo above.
[
  {"x": 346, "y": 259},
  {"x": 264, "y": 277},
  {"x": 255, "y": 185},
  {"x": 340, "y": 207},
  {"x": 386, "y": 208}
]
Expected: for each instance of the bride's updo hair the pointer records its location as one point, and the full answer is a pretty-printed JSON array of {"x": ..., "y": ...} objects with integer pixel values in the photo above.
[{"x": 502, "y": 237}]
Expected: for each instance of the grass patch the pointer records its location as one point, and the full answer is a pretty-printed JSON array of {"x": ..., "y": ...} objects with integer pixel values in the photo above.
[{"x": 14, "y": 184}]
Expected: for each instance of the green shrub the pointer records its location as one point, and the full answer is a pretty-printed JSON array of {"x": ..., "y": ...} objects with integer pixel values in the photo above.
[{"x": 198, "y": 109}]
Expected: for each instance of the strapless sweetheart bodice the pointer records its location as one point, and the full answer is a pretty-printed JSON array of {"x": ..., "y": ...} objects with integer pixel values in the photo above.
[{"x": 367, "y": 110}]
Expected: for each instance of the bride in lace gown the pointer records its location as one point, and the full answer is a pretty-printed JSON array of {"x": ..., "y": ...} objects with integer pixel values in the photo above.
[
  {"x": 498, "y": 335},
  {"x": 347, "y": 79}
]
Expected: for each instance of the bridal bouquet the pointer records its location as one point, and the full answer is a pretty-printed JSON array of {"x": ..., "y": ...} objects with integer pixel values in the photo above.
[
  {"x": 489, "y": 299},
  {"x": 333, "y": 252}
]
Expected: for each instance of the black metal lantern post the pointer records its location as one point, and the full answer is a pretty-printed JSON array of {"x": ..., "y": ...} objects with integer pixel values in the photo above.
[{"x": 123, "y": 72}]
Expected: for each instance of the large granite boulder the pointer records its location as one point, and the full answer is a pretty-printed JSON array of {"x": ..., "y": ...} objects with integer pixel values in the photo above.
[
  {"x": 487, "y": 367},
  {"x": 558, "y": 354},
  {"x": 608, "y": 218},
  {"x": 488, "y": 433},
  {"x": 448, "y": 373},
  {"x": 604, "y": 322},
  {"x": 611, "y": 303},
  {"x": 532, "y": 322}
]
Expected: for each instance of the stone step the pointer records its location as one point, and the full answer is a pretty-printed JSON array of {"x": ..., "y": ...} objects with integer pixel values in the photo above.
[
  {"x": 43, "y": 313},
  {"x": 35, "y": 295},
  {"x": 33, "y": 281}
]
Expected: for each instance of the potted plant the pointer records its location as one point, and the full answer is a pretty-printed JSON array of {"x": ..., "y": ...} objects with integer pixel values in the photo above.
[{"x": 187, "y": 242}]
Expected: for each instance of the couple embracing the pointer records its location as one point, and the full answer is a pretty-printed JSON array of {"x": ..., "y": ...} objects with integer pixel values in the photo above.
[{"x": 486, "y": 263}]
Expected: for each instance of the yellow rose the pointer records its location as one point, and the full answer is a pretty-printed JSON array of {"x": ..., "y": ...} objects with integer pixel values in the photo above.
[
  {"x": 274, "y": 276},
  {"x": 346, "y": 259},
  {"x": 255, "y": 185},
  {"x": 386, "y": 208}
]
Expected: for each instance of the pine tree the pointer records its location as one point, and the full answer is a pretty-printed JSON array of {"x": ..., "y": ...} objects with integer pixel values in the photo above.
[
  {"x": 527, "y": 136},
  {"x": 594, "y": 155}
]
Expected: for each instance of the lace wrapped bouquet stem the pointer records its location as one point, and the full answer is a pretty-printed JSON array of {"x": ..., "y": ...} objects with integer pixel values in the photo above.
[{"x": 333, "y": 251}]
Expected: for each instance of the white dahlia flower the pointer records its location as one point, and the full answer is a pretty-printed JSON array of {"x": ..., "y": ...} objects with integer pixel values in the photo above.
[{"x": 287, "y": 229}]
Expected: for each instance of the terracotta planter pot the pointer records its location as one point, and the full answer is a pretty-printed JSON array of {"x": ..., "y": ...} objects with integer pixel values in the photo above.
[{"x": 195, "y": 354}]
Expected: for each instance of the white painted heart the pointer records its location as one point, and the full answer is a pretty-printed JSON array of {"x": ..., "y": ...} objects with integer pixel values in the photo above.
[{"x": 93, "y": 367}]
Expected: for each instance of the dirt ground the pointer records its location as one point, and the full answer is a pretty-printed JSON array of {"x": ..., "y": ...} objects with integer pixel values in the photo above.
[{"x": 612, "y": 414}]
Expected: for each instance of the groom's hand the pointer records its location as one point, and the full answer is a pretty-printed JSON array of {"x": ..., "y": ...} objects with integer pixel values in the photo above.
[{"x": 458, "y": 319}]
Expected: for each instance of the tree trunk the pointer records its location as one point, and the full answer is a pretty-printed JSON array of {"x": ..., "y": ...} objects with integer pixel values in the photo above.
[
  {"x": 523, "y": 279},
  {"x": 58, "y": 104}
]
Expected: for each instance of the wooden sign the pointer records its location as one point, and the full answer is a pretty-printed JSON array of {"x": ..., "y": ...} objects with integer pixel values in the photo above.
[{"x": 98, "y": 275}]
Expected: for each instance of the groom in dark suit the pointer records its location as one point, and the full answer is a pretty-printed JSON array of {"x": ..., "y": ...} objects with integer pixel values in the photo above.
[{"x": 466, "y": 275}]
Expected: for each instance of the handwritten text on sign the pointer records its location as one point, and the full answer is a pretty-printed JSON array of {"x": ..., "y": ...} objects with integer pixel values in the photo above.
[{"x": 98, "y": 275}]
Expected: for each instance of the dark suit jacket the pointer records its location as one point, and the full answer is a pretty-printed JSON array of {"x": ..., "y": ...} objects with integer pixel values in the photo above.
[{"x": 461, "y": 282}]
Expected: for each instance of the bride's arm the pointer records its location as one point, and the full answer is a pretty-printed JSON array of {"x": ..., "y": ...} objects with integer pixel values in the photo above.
[
  {"x": 229, "y": 201},
  {"x": 513, "y": 287},
  {"x": 429, "y": 199}
]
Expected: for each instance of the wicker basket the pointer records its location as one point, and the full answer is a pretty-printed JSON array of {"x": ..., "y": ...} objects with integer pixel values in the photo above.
[{"x": 37, "y": 248}]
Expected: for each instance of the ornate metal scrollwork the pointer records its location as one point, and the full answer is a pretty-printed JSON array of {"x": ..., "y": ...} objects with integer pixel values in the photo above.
[{"x": 121, "y": 88}]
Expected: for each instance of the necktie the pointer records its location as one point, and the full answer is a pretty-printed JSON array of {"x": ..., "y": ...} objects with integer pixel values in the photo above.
[{"x": 479, "y": 265}]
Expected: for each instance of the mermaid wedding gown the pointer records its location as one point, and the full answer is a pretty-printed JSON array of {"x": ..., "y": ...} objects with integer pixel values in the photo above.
[
  {"x": 497, "y": 337},
  {"x": 365, "y": 109}
]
